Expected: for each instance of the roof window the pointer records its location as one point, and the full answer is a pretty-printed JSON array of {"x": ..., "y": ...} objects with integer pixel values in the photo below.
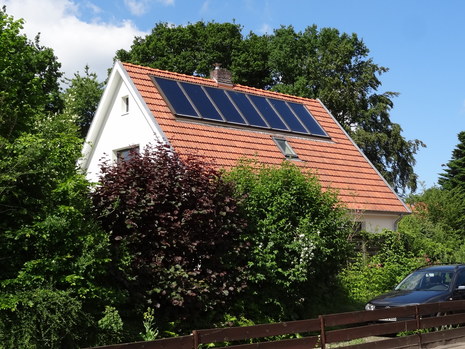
[{"x": 285, "y": 148}]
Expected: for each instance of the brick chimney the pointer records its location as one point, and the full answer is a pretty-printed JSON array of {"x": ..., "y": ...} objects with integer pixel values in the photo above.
[{"x": 221, "y": 75}]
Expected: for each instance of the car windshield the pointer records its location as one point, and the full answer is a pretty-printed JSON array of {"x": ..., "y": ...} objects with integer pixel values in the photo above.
[{"x": 423, "y": 280}]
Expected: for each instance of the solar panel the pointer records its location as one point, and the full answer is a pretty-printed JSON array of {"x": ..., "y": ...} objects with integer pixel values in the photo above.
[
  {"x": 176, "y": 97},
  {"x": 247, "y": 109},
  {"x": 226, "y": 106},
  {"x": 307, "y": 119},
  {"x": 201, "y": 101},
  {"x": 288, "y": 116},
  {"x": 268, "y": 113}
]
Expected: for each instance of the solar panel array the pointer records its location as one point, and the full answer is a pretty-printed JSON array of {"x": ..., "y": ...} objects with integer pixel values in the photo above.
[{"x": 231, "y": 107}]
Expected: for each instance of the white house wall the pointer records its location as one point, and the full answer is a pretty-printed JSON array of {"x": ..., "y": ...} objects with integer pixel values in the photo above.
[
  {"x": 121, "y": 130},
  {"x": 376, "y": 223}
]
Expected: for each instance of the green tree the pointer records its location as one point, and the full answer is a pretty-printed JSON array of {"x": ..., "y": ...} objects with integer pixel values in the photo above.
[
  {"x": 435, "y": 228},
  {"x": 82, "y": 97},
  {"x": 29, "y": 82},
  {"x": 322, "y": 64},
  {"x": 48, "y": 243},
  {"x": 336, "y": 68},
  {"x": 175, "y": 235},
  {"x": 298, "y": 236},
  {"x": 190, "y": 49},
  {"x": 53, "y": 256},
  {"x": 454, "y": 176}
]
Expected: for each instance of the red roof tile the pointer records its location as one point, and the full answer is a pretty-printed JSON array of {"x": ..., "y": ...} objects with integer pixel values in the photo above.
[{"x": 337, "y": 162}]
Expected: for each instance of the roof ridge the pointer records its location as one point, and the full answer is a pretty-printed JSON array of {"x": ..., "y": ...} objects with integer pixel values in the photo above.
[{"x": 202, "y": 79}]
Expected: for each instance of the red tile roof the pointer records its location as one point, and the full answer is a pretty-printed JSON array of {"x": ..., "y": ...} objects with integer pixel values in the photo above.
[{"x": 336, "y": 161}]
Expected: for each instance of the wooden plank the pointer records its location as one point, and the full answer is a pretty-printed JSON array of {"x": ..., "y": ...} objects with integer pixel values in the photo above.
[
  {"x": 298, "y": 343},
  {"x": 367, "y": 316},
  {"x": 444, "y": 320},
  {"x": 412, "y": 341},
  {"x": 348, "y": 334},
  {"x": 441, "y": 307},
  {"x": 184, "y": 342},
  {"x": 258, "y": 331},
  {"x": 393, "y": 343},
  {"x": 432, "y": 337}
]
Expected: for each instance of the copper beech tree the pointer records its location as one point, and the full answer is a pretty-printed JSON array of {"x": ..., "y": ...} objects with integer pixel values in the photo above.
[{"x": 175, "y": 233}]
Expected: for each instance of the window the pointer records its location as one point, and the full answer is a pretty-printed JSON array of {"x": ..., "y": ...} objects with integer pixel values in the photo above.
[
  {"x": 126, "y": 153},
  {"x": 125, "y": 105},
  {"x": 285, "y": 148}
]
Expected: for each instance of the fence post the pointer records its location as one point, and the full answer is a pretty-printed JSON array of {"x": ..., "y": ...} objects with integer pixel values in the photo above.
[
  {"x": 322, "y": 332},
  {"x": 418, "y": 318},
  {"x": 195, "y": 337}
]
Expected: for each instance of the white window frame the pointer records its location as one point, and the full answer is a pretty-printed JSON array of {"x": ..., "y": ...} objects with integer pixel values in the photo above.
[
  {"x": 122, "y": 154},
  {"x": 125, "y": 105}
]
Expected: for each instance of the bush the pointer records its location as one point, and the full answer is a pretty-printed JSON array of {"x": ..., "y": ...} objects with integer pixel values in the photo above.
[
  {"x": 298, "y": 235},
  {"x": 371, "y": 275},
  {"x": 42, "y": 318},
  {"x": 175, "y": 234}
]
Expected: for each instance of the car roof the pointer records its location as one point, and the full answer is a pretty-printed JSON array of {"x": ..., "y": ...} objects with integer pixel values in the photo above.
[{"x": 443, "y": 267}]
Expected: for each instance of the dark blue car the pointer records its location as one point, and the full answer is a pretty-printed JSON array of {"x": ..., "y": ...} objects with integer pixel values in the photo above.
[{"x": 425, "y": 285}]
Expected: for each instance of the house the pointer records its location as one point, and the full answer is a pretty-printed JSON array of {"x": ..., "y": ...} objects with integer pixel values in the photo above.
[{"x": 226, "y": 122}]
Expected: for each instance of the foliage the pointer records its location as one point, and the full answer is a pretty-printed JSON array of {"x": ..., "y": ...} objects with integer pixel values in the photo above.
[
  {"x": 370, "y": 275},
  {"x": 315, "y": 63},
  {"x": 190, "y": 49},
  {"x": 111, "y": 326},
  {"x": 47, "y": 237},
  {"x": 435, "y": 227},
  {"x": 150, "y": 333},
  {"x": 29, "y": 75},
  {"x": 82, "y": 98},
  {"x": 298, "y": 237},
  {"x": 42, "y": 318},
  {"x": 454, "y": 176},
  {"x": 175, "y": 233}
]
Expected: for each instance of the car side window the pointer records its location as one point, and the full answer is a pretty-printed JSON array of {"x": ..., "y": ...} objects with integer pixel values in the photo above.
[{"x": 460, "y": 279}]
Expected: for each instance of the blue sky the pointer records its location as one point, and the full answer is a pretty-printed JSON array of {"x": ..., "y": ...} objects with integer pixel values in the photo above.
[{"x": 422, "y": 42}]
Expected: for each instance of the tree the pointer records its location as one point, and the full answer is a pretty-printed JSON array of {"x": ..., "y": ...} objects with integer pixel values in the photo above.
[
  {"x": 335, "y": 68},
  {"x": 53, "y": 256},
  {"x": 314, "y": 63},
  {"x": 52, "y": 253},
  {"x": 29, "y": 83},
  {"x": 454, "y": 176},
  {"x": 191, "y": 49},
  {"x": 175, "y": 231},
  {"x": 82, "y": 98},
  {"x": 298, "y": 236}
]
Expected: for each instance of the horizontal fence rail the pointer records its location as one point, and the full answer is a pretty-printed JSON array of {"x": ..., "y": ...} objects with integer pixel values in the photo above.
[{"x": 321, "y": 332}]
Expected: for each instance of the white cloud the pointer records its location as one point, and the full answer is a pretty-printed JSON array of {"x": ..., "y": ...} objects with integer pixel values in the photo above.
[
  {"x": 75, "y": 42},
  {"x": 137, "y": 8}
]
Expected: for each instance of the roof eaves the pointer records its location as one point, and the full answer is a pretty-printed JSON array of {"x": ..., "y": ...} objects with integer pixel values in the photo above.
[{"x": 407, "y": 209}]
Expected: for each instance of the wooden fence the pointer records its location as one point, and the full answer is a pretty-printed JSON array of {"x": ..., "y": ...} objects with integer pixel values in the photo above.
[{"x": 423, "y": 325}]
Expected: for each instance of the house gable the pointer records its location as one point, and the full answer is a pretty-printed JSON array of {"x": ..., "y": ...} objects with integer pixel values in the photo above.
[
  {"x": 122, "y": 122},
  {"x": 335, "y": 158}
]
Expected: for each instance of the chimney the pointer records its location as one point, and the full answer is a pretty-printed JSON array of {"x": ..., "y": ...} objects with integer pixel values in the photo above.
[{"x": 221, "y": 75}]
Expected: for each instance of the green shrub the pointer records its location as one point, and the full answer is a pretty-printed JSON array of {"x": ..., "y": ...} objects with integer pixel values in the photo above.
[
  {"x": 370, "y": 275},
  {"x": 298, "y": 236}
]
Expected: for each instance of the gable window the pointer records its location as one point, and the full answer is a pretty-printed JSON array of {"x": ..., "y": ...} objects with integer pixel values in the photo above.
[
  {"x": 285, "y": 148},
  {"x": 126, "y": 153},
  {"x": 125, "y": 105}
]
